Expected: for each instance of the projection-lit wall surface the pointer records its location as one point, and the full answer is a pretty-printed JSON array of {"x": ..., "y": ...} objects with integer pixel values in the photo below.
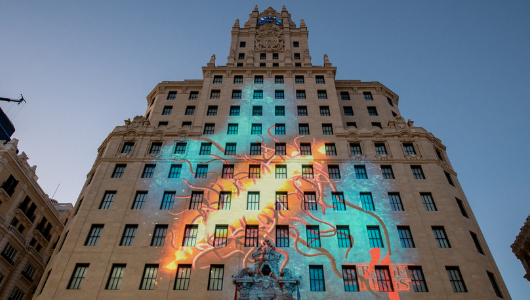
[{"x": 357, "y": 200}]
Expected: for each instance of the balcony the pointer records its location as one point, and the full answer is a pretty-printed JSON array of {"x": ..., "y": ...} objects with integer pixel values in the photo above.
[
  {"x": 30, "y": 218},
  {"x": 35, "y": 253},
  {"x": 17, "y": 234}
]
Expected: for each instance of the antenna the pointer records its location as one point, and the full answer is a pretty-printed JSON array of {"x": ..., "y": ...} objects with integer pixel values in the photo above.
[{"x": 56, "y": 190}]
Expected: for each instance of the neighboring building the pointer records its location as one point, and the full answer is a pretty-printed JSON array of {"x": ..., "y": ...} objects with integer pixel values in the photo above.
[
  {"x": 29, "y": 225},
  {"x": 6, "y": 127},
  {"x": 269, "y": 173},
  {"x": 521, "y": 247}
]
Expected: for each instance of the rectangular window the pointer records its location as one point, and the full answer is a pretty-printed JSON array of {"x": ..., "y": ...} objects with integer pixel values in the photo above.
[
  {"x": 253, "y": 201},
  {"x": 439, "y": 154},
  {"x": 194, "y": 95},
  {"x": 257, "y": 111},
  {"x": 93, "y": 235},
  {"x": 139, "y": 200},
  {"x": 221, "y": 235},
  {"x": 225, "y": 199},
  {"x": 299, "y": 79},
  {"x": 367, "y": 202},
  {"x": 228, "y": 171},
  {"x": 307, "y": 171},
  {"x": 236, "y": 94},
  {"x": 344, "y": 237},
  {"x": 282, "y": 201},
  {"x": 108, "y": 199},
  {"x": 162, "y": 124},
  {"x": 449, "y": 179},
  {"x": 282, "y": 236},
  {"x": 441, "y": 237},
  {"x": 368, "y": 96},
  {"x": 395, "y": 202},
  {"x": 360, "y": 172},
  {"x": 275, "y": 56},
  {"x": 409, "y": 149},
  {"x": 477, "y": 243},
  {"x": 215, "y": 281},
  {"x": 302, "y": 111},
  {"x": 338, "y": 201},
  {"x": 334, "y": 172},
  {"x": 348, "y": 111},
  {"x": 156, "y": 148},
  {"x": 313, "y": 236},
  {"x": 190, "y": 111},
  {"x": 127, "y": 148},
  {"x": 297, "y": 56},
  {"x": 9, "y": 253},
  {"x": 242, "y": 44},
  {"x": 168, "y": 200},
  {"x": 406, "y": 237},
  {"x": 455, "y": 277},
  {"x": 209, "y": 128},
  {"x": 461, "y": 207},
  {"x": 230, "y": 149},
  {"x": 258, "y": 79},
  {"x": 278, "y": 79},
  {"x": 349, "y": 275},
  {"x": 374, "y": 236},
  {"x": 377, "y": 124},
  {"x": 190, "y": 235},
  {"x": 384, "y": 281},
  {"x": 212, "y": 111},
  {"x": 218, "y": 79},
  {"x": 78, "y": 276},
  {"x": 254, "y": 171},
  {"x": 234, "y": 111},
  {"x": 206, "y": 149},
  {"x": 380, "y": 149},
  {"x": 241, "y": 56},
  {"x": 238, "y": 79},
  {"x": 159, "y": 235},
  {"x": 149, "y": 277},
  {"x": 417, "y": 279},
  {"x": 256, "y": 129},
  {"x": 196, "y": 200},
  {"x": 300, "y": 95},
  {"x": 171, "y": 95},
  {"x": 330, "y": 149},
  {"x": 351, "y": 124},
  {"x": 316, "y": 278},
  {"x": 280, "y": 149},
  {"x": 305, "y": 149},
  {"x": 174, "y": 171},
  {"x": 262, "y": 65},
  {"x": 494, "y": 285},
  {"x": 167, "y": 110},
  {"x": 129, "y": 233},
  {"x": 428, "y": 202},
  {"x": 417, "y": 172},
  {"x": 296, "y": 44},
  {"x": 255, "y": 149},
  {"x": 182, "y": 280},
  {"x": 324, "y": 111},
  {"x": 310, "y": 201},
  {"x": 303, "y": 129},
  {"x": 390, "y": 102},
  {"x": 372, "y": 111},
  {"x": 279, "y": 111},
  {"x": 387, "y": 172},
  {"x": 322, "y": 95},
  {"x": 202, "y": 171},
  {"x": 327, "y": 129},
  {"x": 319, "y": 79},
  {"x": 149, "y": 171},
  {"x": 180, "y": 148},
  {"x": 279, "y": 94},
  {"x": 232, "y": 128},
  {"x": 280, "y": 171},
  {"x": 279, "y": 129},
  {"x": 344, "y": 96},
  {"x": 355, "y": 149},
  {"x": 251, "y": 236}
]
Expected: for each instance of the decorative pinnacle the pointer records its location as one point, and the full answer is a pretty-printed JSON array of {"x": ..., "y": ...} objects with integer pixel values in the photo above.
[
  {"x": 284, "y": 9},
  {"x": 302, "y": 23},
  {"x": 256, "y": 8},
  {"x": 236, "y": 24}
]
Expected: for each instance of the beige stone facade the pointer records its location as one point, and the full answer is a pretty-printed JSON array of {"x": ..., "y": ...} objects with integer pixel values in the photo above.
[
  {"x": 272, "y": 175},
  {"x": 521, "y": 247},
  {"x": 29, "y": 225}
]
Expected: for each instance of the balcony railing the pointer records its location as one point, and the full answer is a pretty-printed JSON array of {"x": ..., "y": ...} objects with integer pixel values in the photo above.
[
  {"x": 17, "y": 234},
  {"x": 35, "y": 253}
]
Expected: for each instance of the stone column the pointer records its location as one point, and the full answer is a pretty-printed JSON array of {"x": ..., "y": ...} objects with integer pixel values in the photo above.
[
  {"x": 13, "y": 277},
  {"x": 35, "y": 223},
  {"x": 15, "y": 201}
]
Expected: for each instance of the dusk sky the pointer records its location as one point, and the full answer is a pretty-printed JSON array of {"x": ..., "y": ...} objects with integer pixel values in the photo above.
[{"x": 460, "y": 68}]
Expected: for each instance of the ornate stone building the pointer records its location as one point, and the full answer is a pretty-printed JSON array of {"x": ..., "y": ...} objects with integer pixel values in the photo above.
[
  {"x": 271, "y": 175},
  {"x": 29, "y": 225},
  {"x": 521, "y": 247}
]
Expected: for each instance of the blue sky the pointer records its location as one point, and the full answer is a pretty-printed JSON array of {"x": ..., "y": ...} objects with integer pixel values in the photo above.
[{"x": 461, "y": 69}]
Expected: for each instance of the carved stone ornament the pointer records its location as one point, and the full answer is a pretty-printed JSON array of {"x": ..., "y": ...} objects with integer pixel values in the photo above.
[
  {"x": 378, "y": 136},
  {"x": 269, "y": 38},
  {"x": 353, "y": 136}
]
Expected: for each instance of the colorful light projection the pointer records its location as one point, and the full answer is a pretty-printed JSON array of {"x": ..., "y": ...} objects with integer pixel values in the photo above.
[{"x": 296, "y": 217}]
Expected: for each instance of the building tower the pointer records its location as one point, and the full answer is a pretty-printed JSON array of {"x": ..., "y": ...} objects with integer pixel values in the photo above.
[{"x": 270, "y": 175}]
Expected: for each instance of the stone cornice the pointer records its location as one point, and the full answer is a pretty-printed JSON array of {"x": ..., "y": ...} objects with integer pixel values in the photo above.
[{"x": 522, "y": 241}]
